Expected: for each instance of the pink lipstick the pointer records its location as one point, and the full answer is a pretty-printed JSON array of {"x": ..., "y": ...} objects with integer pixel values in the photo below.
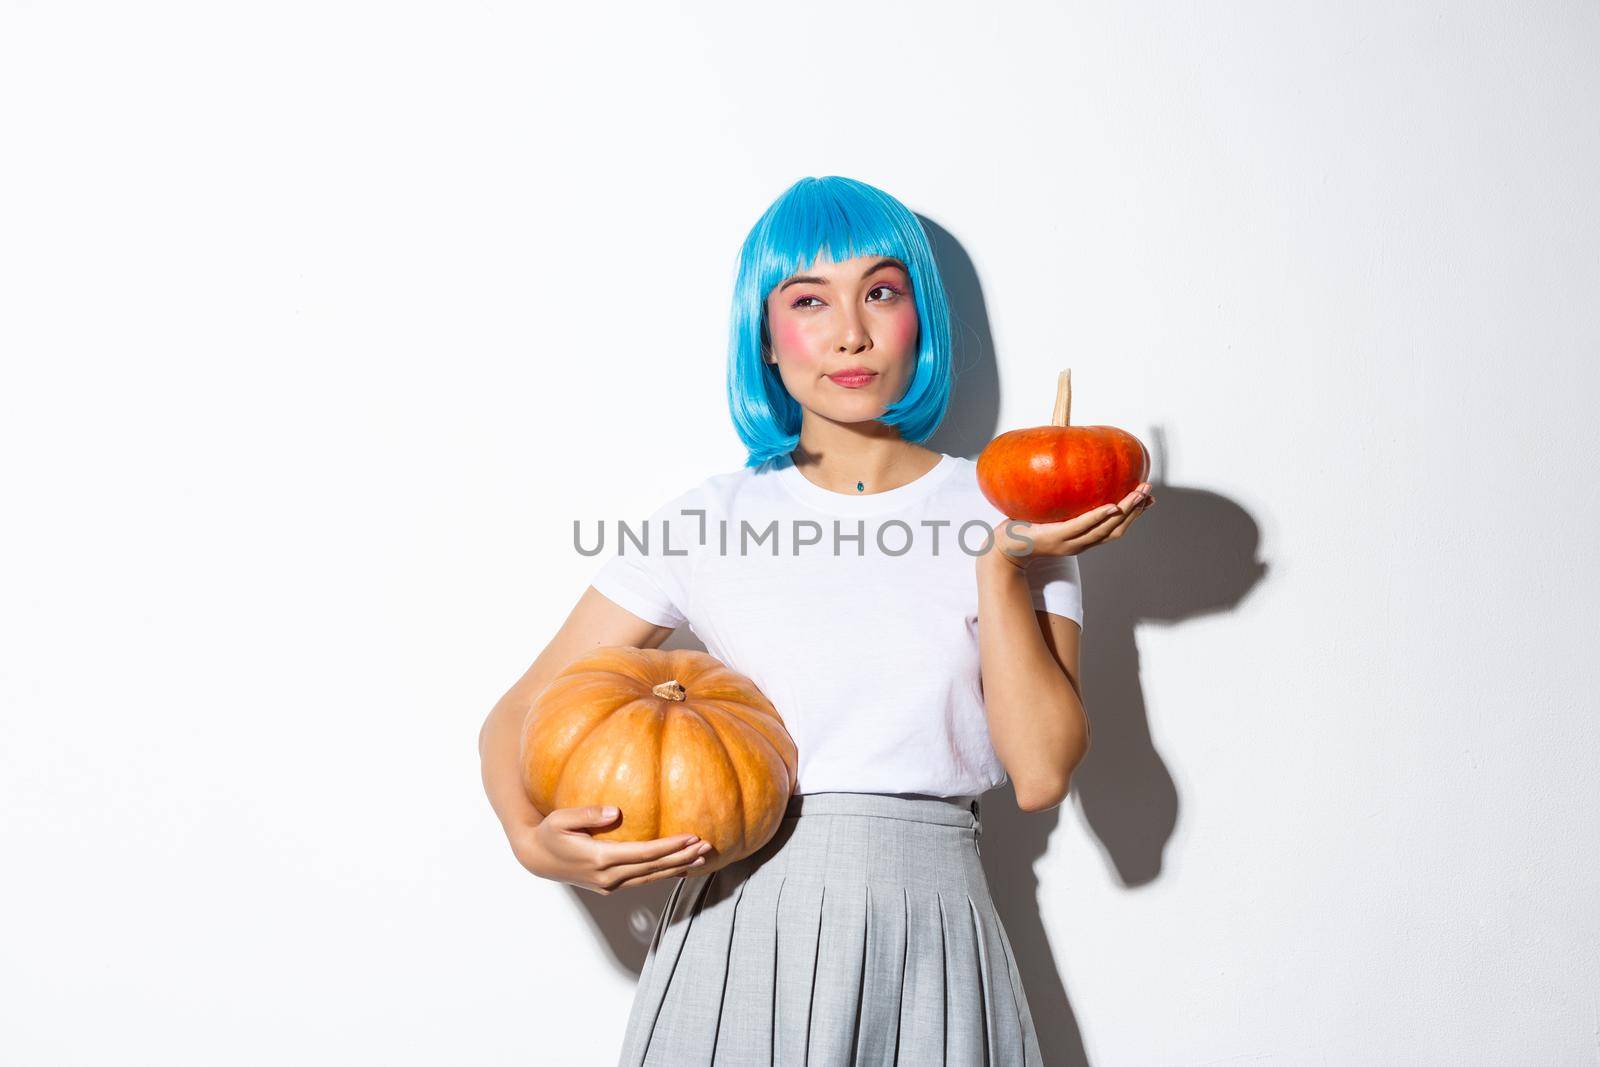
[{"x": 853, "y": 377}]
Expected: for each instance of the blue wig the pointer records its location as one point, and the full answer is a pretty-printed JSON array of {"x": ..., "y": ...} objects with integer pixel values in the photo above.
[{"x": 840, "y": 218}]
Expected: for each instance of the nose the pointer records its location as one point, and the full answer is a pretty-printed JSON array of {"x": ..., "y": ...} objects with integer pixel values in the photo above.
[{"x": 853, "y": 335}]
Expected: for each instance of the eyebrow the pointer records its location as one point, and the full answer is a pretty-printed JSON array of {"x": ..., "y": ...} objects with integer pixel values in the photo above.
[{"x": 814, "y": 280}]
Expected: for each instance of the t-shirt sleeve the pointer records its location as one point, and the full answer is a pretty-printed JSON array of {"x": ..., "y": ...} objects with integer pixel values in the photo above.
[
  {"x": 647, "y": 564},
  {"x": 1056, "y": 586}
]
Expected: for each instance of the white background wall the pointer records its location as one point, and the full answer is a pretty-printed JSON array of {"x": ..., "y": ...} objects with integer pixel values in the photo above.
[{"x": 323, "y": 321}]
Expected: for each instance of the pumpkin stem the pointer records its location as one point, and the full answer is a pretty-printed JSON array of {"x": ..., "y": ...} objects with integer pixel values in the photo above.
[
  {"x": 670, "y": 690},
  {"x": 1063, "y": 399}
]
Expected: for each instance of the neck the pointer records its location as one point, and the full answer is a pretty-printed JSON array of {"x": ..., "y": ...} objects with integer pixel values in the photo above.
[{"x": 841, "y": 458}]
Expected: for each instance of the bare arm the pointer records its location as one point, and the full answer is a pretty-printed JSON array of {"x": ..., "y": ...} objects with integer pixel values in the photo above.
[
  {"x": 1029, "y": 663},
  {"x": 1029, "y": 659}
]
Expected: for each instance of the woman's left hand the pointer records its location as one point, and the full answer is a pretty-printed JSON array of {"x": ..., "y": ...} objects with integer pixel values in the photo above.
[{"x": 1070, "y": 536}]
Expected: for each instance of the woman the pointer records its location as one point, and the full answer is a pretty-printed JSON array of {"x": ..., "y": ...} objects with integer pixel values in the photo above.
[{"x": 854, "y": 575}]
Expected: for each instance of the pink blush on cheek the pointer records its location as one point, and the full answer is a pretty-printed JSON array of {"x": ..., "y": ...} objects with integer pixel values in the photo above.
[
  {"x": 901, "y": 331},
  {"x": 787, "y": 335}
]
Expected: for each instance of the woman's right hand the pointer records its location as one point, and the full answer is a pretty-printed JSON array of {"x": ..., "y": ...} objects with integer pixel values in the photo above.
[{"x": 562, "y": 848}]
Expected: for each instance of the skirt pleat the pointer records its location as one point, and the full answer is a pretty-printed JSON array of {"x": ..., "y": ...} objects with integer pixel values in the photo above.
[
  {"x": 879, "y": 1014},
  {"x": 836, "y": 994},
  {"x": 862, "y": 934}
]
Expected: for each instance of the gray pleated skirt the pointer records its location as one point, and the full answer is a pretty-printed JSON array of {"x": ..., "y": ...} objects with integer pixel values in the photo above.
[{"x": 862, "y": 934}]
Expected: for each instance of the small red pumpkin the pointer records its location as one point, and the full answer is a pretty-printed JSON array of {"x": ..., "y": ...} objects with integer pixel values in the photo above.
[{"x": 1056, "y": 472}]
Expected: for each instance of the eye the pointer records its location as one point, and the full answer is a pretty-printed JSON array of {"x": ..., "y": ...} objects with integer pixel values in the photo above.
[
  {"x": 893, "y": 292},
  {"x": 798, "y": 303}
]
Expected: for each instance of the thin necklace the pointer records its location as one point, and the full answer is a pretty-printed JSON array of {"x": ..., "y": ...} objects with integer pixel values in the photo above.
[{"x": 861, "y": 487}]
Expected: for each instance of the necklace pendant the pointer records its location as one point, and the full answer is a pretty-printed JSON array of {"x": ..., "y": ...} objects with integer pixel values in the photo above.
[{"x": 859, "y": 487}]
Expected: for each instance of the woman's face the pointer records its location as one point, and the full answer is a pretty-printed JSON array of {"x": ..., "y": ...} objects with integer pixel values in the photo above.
[{"x": 837, "y": 317}]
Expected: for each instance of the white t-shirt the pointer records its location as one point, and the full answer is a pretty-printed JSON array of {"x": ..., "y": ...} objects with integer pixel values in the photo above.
[{"x": 869, "y": 653}]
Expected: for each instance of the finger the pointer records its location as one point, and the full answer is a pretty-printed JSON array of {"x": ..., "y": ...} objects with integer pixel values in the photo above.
[
  {"x": 1110, "y": 513},
  {"x": 579, "y": 818},
  {"x": 672, "y": 872},
  {"x": 1097, "y": 533},
  {"x": 1076, "y": 526},
  {"x": 1080, "y": 526},
  {"x": 1112, "y": 522},
  {"x": 616, "y": 853},
  {"x": 1095, "y": 525},
  {"x": 1141, "y": 502},
  {"x": 1134, "y": 512},
  {"x": 1138, "y": 509},
  {"x": 692, "y": 856}
]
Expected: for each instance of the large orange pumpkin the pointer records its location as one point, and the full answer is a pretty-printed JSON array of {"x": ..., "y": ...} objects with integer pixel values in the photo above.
[{"x": 678, "y": 741}]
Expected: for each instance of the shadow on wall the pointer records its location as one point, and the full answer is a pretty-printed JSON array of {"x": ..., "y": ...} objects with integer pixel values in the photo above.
[{"x": 1195, "y": 554}]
